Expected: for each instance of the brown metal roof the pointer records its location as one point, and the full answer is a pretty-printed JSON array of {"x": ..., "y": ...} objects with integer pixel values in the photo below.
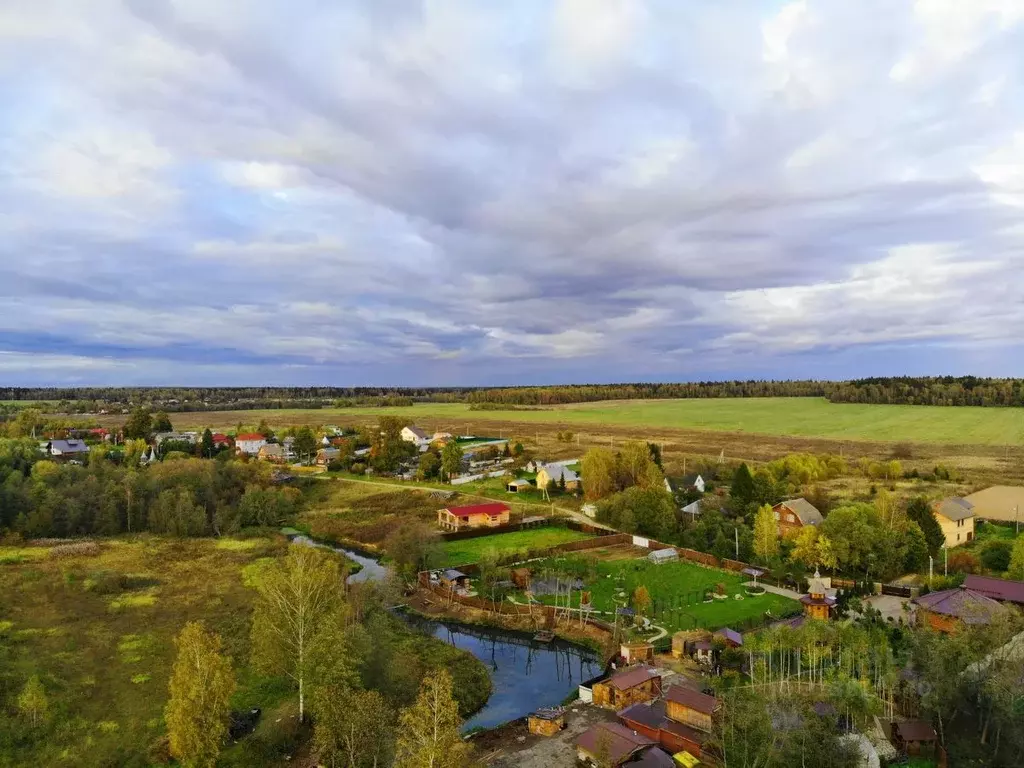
[
  {"x": 632, "y": 677},
  {"x": 915, "y": 730},
  {"x": 619, "y": 741},
  {"x": 695, "y": 700},
  {"x": 806, "y": 512}
]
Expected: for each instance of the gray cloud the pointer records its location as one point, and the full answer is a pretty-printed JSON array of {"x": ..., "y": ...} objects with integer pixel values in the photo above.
[{"x": 405, "y": 192}]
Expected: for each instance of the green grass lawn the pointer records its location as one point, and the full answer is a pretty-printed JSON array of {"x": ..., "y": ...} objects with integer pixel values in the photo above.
[
  {"x": 470, "y": 550},
  {"x": 677, "y": 591},
  {"x": 793, "y": 416}
]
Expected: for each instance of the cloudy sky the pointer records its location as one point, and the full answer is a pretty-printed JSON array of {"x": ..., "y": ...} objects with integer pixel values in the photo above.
[{"x": 399, "y": 192}]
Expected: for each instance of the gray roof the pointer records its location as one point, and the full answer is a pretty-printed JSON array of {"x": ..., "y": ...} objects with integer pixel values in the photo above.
[
  {"x": 451, "y": 574},
  {"x": 955, "y": 508},
  {"x": 69, "y": 446},
  {"x": 519, "y": 483},
  {"x": 418, "y": 432},
  {"x": 556, "y": 471},
  {"x": 803, "y": 509}
]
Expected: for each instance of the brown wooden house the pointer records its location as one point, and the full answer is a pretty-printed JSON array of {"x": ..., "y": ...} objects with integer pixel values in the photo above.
[
  {"x": 633, "y": 653},
  {"x": 690, "y": 707},
  {"x": 794, "y": 514},
  {"x": 629, "y": 686}
]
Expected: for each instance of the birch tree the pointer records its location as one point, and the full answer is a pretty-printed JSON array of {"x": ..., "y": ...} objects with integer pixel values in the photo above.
[
  {"x": 296, "y": 606},
  {"x": 428, "y": 731},
  {"x": 766, "y": 536},
  {"x": 201, "y": 687}
]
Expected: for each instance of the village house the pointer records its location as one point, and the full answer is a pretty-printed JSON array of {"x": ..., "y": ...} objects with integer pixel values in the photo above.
[
  {"x": 473, "y": 516},
  {"x": 794, "y": 514},
  {"x": 271, "y": 452},
  {"x": 634, "y": 653},
  {"x": 610, "y": 743},
  {"x": 250, "y": 443},
  {"x": 955, "y": 517},
  {"x": 692, "y": 482},
  {"x": 326, "y": 455},
  {"x": 453, "y": 579},
  {"x": 549, "y": 474},
  {"x": 1002, "y": 590},
  {"x": 416, "y": 436},
  {"x": 690, "y": 707},
  {"x": 67, "y": 448},
  {"x": 441, "y": 438},
  {"x": 628, "y": 686},
  {"x": 948, "y": 610},
  {"x": 817, "y": 602},
  {"x": 731, "y": 637},
  {"x": 221, "y": 440}
]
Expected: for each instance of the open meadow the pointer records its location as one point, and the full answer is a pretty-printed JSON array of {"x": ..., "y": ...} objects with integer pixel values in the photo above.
[{"x": 782, "y": 416}]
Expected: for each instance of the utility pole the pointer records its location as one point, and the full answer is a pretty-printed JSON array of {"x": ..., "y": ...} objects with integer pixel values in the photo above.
[
  {"x": 1016, "y": 516},
  {"x": 931, "y": 563},
  {"x": 945, "y": 564},
  {"x": 736, "y": 531}
]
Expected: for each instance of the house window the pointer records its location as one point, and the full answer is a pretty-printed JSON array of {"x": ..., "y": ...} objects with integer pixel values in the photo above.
[
  {"x": 958, "y": 537},
  {"x": 776, "y": 515},
  {"x": 790, "y": 519}
]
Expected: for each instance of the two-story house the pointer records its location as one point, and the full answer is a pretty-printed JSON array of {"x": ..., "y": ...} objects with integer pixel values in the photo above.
[
  {"x": 955, "y": 517},
  {"x": 793, "y": 514}
]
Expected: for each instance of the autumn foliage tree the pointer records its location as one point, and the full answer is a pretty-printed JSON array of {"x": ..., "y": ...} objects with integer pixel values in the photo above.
[
  {"x": 201, "y": 687},
  {"x": 766, "y": 536},
  {"x": 428, "y": 731}
]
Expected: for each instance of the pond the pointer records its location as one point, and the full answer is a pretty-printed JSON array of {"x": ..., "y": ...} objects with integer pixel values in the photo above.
[{"x": 525, "y": 674}]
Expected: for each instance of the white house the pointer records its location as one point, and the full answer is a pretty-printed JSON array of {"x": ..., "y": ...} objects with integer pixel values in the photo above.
[
  {"x": 416, "y": 436},
  {"x": 250, "y": 442}
]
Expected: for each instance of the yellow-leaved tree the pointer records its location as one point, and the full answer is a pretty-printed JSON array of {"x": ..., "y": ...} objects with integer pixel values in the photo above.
[
  {"x": 766, "y": 535},
  {"x": 202, "y": 683},
  {"x": 428, "y": 731}
]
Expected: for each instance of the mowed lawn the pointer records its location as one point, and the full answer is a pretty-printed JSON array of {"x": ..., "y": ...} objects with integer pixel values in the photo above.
[
  {"x": 786, "y": 416},
  {"x": 677, "y": 593},
  {"x": 471, "y": 550}
]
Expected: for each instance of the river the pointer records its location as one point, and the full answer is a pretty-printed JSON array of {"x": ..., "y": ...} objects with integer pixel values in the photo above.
[{"x": 525, "y": 675}]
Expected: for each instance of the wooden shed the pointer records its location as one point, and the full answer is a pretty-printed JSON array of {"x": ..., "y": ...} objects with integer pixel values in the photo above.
[
  {"x": 690, "y": 707},
  {"x": 547, "y": 721},
  {"x": 633, "y": 653},
  {"x": 681, "y": 639},
  {"x": 629, "y": 686},
  {"x": 915, "y": 737}
]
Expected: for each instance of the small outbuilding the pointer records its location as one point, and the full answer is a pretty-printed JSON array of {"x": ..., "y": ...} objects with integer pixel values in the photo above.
[
  {"x": 915, "y": 737},
  {"x": 667, "y": 555},
  {"x": 633, "y": 653},
  {"x": 732, "y": 638},
  {"x": 629, "y": 686},
  {"x": 520, "y": 484},
  {"x": 610, "y": 743},
  {"x": 547, "y": 721},
  {"x": 453, "y": 579}
]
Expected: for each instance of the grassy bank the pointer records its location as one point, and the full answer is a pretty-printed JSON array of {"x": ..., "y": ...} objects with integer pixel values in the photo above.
[{"x": 503, "y": 544}]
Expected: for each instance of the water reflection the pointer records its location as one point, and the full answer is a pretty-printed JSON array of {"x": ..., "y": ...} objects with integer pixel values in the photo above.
[{"x": 525, "y": 674}]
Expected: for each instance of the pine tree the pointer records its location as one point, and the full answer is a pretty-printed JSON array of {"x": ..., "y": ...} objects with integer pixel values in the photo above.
[
  {"x": 742, "y": 488},
  {"x": 429, "y": 729},
  {"x": 201, "y": 687},
  {"x": 208, "y": 446},
  {"x": 32, "y": 702},
  {"x": 920, "y": 511}
]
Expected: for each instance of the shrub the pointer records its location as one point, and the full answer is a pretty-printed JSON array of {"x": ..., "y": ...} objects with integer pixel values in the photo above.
[
  {"x": 963, "y": 562},
  {"x": 995, "y": 555},
  {"x": 78, "y": 549}
]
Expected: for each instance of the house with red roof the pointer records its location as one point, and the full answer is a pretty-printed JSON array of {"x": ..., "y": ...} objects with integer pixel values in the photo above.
[
  {"x": 473, "y": 516},
  {"x": 250, "y": 442},
  {"x": 610, "y": 743},
  {"x": 221, "y": 440}
]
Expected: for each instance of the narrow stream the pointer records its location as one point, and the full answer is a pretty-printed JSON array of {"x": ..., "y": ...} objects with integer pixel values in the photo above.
[{"x": 371, "y": 569}]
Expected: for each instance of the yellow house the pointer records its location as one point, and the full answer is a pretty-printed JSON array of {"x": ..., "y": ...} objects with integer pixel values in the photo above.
[
  {"x": 956, "y": 519},
  {"x": 553, "y": 473}
]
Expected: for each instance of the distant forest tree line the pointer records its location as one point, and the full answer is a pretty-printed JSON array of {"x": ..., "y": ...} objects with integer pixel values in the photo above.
[{"x": 901, "y": 390}]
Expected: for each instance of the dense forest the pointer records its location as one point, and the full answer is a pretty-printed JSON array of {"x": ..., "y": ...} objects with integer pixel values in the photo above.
[{"x": 902, "y": 390}]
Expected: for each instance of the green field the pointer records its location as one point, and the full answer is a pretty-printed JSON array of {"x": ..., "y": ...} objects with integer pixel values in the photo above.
[
  {"x": 470, "y": 550},
  {"x": 786, "y": 416},
  {"x": 677, "y": 591}
]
